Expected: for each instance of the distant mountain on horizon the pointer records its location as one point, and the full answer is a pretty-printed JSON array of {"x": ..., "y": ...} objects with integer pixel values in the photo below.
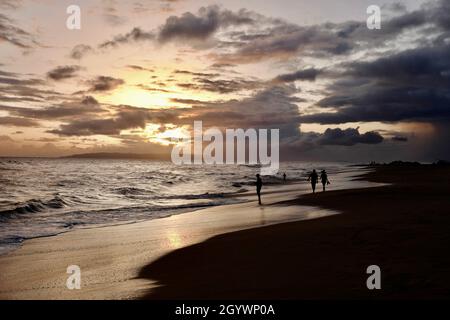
[{"x": 118, "y": 155}]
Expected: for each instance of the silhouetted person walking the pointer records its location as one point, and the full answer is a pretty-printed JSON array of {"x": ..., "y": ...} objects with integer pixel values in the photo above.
[
  {"x": 324, "y": 179},
  {"x": 258, "y": 187},
  {"x": 284, "y": 177},
  {"x": 313, "y": 177}
]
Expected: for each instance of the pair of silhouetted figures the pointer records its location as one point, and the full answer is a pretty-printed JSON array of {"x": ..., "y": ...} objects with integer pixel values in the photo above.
[{"x": 313, "y": 177}]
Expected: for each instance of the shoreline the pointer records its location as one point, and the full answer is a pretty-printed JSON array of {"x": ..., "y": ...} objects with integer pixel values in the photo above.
[
  {"x": 403, "y": 227},
  {"x": 111, "y": 257},
  {"x": 237, "y": 195}
]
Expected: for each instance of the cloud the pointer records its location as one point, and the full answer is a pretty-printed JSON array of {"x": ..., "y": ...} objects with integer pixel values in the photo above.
[
  {"x": 14, "y": 88},
  {"x": 305, "y": 75},
  {"x": 15, "y": 35},
  {"x": 416, "y": 88},
  {"x": 201, "y": 26},
  {"x": 248, "y": 37},
  {"x": 67, "y": 110},
  {"x": 80, "y": 50},
  {"x": 332, "y": 141},
  {"x": 125, "y": 118},
  {"x": 63, "y": 72},
  {"x": 187, "y": 27},
  {"x": 17, "y": 122},
  {"x": 139, "y": 68},
  {"x": 104, "y": 83},
  {"x": 220, "y": 85},
  {"x": 198, "y": 74},
  {"x": 348, "y": 137},
  {"x": 271, "y": 107},
  {"x": 134, "y": 35},
  {"x": 285, "y": 40}
]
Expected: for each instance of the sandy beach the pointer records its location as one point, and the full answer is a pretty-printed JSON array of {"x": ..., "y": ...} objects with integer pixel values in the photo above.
[
  {"x": 244, "y": 251},
  {"x": 112, "y": 257},
  {"x": 404, "y": 228}
]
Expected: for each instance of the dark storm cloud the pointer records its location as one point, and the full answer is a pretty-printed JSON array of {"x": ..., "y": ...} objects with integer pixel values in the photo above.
[
  {"x": 416, "y": 66},
  {"x": 432, "y": 18},
  {"x": 278, "y": 38},
  {"x": 336, "y": 139},
  {"x": 285, "y": 40},
  {"x": 268, "y": 38},
  {"x": 416, "y": 87},
  {"x": 63, "y": 72},
  {"x": 357, "y": 31},
  {"x": 306, "y": 74},
  {"x": 201, "y": 26},
  {"x": 348, "y": 137},
  {"x": 104, "y": 83},
  {"x": 80, "y": 50},
  {"x": 187, "y": 27}
]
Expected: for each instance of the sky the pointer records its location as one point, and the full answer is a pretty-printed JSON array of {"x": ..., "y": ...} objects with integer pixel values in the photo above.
[{"x": 139, "y": 73}]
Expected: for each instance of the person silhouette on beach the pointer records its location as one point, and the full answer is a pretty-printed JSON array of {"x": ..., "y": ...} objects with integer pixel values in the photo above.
[
  {"x": 324, "y": 179},
  {"x": 258, "y": 187},
  {"x": 284, "y": 177},
  {"x": 313, "y": 177}
]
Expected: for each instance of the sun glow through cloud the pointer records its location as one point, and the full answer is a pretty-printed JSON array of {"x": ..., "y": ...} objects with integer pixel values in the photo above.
[
  {"x": 137, "y": 97},
  {"x": 169, "y": 135}
]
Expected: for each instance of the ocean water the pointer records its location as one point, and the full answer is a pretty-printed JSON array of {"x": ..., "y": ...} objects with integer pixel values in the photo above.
[{"x": 42, "y": 197}]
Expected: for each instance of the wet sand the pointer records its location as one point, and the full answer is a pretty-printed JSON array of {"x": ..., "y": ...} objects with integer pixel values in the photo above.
[
  {"x": 404, "y": 228},
  {"x": 111, "y": 258}
]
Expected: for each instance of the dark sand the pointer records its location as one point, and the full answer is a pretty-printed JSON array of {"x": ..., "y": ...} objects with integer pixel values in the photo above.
[{"x": 404, "y": 228}]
